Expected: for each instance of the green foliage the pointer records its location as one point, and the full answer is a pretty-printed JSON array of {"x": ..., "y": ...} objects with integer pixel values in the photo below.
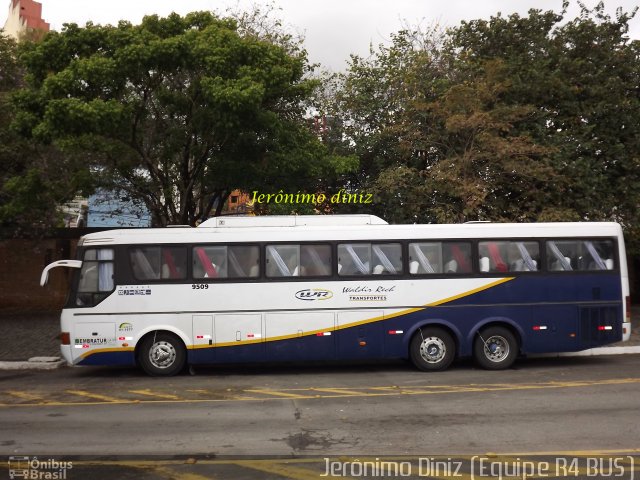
[
  {"x": 582, "y": 77},
  {"x": 31, "y": 186},
  {"x": 515, "y": 118},
  {"x": 175, "y": 112},
  {"x": 511, "y": 118}
]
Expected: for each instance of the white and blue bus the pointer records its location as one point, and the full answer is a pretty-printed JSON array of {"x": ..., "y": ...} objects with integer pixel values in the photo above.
[{"x": 344, "y": 287}]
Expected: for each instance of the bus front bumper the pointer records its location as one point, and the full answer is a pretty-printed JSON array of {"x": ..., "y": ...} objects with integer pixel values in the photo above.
[{"x": 65, "y": 351}]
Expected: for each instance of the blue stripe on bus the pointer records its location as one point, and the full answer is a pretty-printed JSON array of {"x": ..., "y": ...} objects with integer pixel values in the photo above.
[{"x": 126, "y": 358}]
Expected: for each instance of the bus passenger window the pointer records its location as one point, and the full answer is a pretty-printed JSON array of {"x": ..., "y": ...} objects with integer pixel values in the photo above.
[
  {"x": 600, "y": 254},
  {"x": 456, "y": 257},
  {"x": 315, "y": 260},
  {"x": 209, "y": 262},
  {"x": 225, "y": 261},
  {"x": 508, "y": 256},
  {"x": 387, "y": 258},
  {"x": 365, "y": 259},
  {"x": 580, "y": 255},
  {"x": 561, "y": 255},
  {"x": 283, "y": 260},
  {"x": 354, "y": 259},
  {"x": 425, "y": 258},
  {"x": 158, "y": 263},
  {"x": 244, "y": 261},
  {"x": 492, "y": 257},
  {"x": 523, "y": 256}
]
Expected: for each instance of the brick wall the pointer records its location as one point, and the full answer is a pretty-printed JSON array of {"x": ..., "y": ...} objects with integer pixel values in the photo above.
[{"x": 21, "y": 263}]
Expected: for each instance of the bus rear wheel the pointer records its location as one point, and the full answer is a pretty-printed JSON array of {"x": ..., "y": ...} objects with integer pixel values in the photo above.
[
  {"x": 432, "y": 349},
  {"x": 162, "y": 354},
  {"x": 495, "y": 348}
]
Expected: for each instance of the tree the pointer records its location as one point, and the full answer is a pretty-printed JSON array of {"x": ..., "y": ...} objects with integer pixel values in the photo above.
[
  {"x": 369, "y": 102},
  {"x": 479, "y": 164},
  {"x": 511, "y": 118},
  {"x": 583, "y": 78},
  {"x": 31, "y": 187},
  {"x": 175, "y": 112}
]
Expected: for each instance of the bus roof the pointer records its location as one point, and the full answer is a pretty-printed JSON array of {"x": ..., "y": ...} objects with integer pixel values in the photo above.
[{"x": 338, "y": 227}]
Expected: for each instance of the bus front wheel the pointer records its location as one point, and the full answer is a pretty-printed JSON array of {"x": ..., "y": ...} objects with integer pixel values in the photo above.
[
  {"x": 495, "y": 348},
  {"x": 432, "y": 349},
  {"x": 162, "y": 354}
]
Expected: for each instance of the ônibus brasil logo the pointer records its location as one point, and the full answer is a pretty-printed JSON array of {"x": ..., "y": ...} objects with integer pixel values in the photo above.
[{"x": 314, "y": 294}]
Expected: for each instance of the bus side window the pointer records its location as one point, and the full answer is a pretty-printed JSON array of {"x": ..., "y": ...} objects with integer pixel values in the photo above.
[
  {"x": 456, "y": 257},
  {"x": 354, "y": 259},
  {"x": 580, "y": 255},
  {"x": 315, "y": 260},
  {"x": 156, "y": 263},
  {"x": 508, "y": 256},
  {"x": 283, "y": 260},
  {"x": 600, "y": 254},
  {"x": 209, "y": 262},
  {"x": 244, "y": 261},
  {"x": 387, "y": 258},
  {"x": 560, "y": 255},
  {"x": 522, "y": 256}
]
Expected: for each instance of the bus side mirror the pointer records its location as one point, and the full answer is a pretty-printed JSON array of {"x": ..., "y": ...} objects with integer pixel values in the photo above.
[{"x": 60, "y": 263}]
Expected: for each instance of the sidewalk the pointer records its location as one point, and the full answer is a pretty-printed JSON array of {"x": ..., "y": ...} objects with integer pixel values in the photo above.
[
  {"x": 29, "y": 335},
  {"x": 26, "y": 336}
]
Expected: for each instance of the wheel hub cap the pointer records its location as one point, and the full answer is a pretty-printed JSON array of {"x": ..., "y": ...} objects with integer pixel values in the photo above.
[
  {"x": 432, "y": 349},
  {"x": 162, "y": 354},
  {"x": 496, "y": 348}
]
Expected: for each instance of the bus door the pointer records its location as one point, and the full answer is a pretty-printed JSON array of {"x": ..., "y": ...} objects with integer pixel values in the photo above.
[{"x": 90, "y": 336}]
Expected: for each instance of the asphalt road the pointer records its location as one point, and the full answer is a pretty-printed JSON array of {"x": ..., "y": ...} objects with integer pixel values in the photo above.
[{"x": 543, "y": 406}]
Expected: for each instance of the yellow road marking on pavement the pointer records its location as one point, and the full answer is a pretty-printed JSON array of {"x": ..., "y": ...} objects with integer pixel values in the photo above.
[
  {"x": 278, "y": 468},
  {"x": 342, "y": 391},
  {"x": 429, "y": 389},
  {"x": 97, "y": 396},
  {"x": 26, "y": 396},
  {"x": 378, "y": 391},
  {"x": 279, "y": 394},
  {"x": 244, "y": 398},
  {"x": 149, "y": 393}
]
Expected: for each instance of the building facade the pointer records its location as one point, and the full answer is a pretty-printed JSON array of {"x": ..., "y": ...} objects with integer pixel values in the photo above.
[{"x": 25, "y": 16}]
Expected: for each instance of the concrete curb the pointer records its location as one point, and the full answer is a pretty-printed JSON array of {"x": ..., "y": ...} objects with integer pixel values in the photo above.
[
  {"x": 591, "y": 352},
  {"x": 34, "y": 363}
]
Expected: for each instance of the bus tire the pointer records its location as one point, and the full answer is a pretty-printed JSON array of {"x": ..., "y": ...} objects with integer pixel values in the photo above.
[
  {"x": 432, "y": 349},
  {"x": 495, "y": 348},
  {"x": 162, "y": 354}
]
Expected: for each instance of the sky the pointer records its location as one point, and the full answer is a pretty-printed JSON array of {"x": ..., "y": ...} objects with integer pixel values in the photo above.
[{"x": 333, "y": 29}]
